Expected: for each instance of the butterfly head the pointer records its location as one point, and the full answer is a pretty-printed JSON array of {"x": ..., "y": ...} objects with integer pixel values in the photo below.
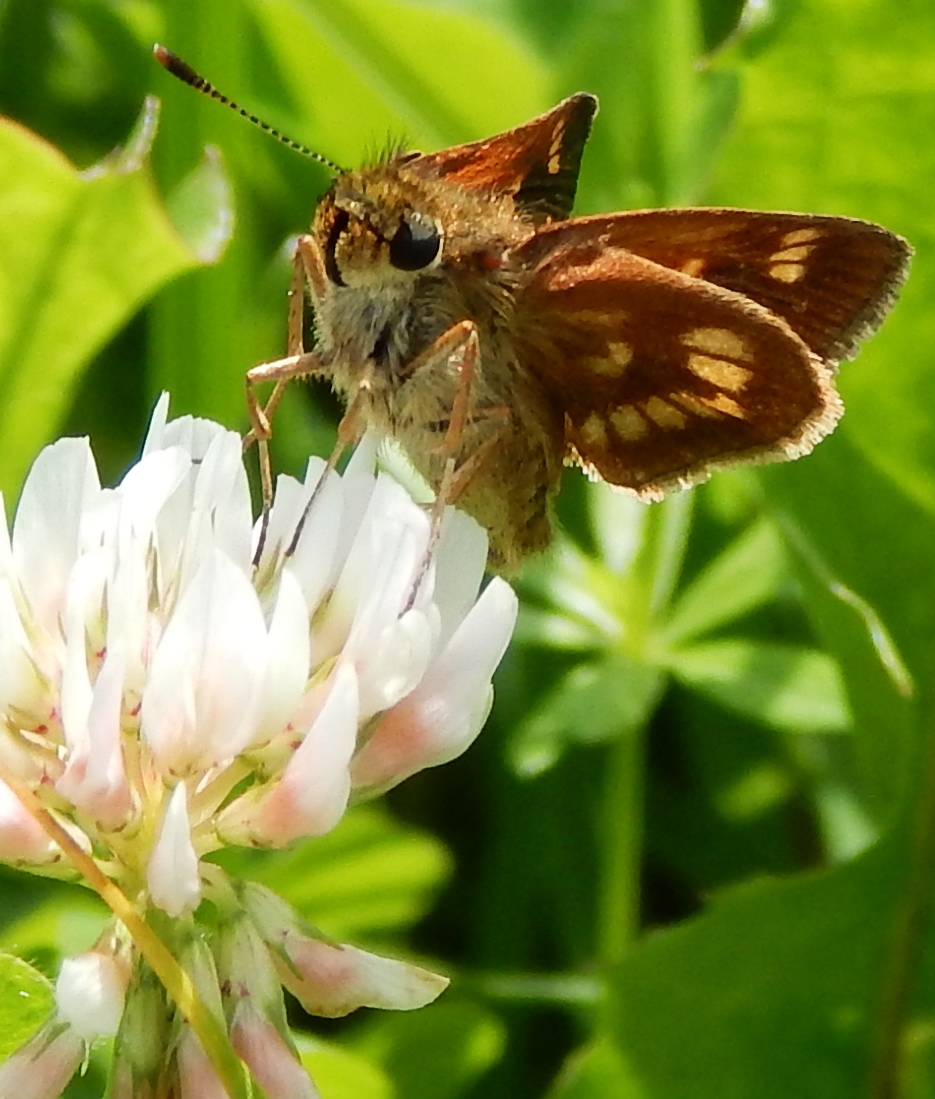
[{"x": 378, "y": 231}]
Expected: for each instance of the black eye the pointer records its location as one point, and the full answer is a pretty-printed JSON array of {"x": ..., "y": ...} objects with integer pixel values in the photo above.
[{"x": 414, "y": 246}]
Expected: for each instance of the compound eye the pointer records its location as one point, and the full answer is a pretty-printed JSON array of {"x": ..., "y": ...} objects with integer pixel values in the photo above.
[{"x": 414, "y": 246}]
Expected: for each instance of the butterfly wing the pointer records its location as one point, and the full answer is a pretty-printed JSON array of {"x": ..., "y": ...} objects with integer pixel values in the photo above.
[
  {"x": 537, "y": 163},
  {"x": 662, "y": 377},
  {"x": 832, "y": 279}
]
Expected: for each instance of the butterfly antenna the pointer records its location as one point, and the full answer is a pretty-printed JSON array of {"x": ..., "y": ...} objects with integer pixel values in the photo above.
[{"x": 184, "y": 72}]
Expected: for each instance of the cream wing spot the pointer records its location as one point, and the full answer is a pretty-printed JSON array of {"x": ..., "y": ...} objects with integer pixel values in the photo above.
[
  {"x": 718, "y": 341},
  {"x": 628, "y": 423},
  {"x": 719, "y": 372},
  {"x": 792, "y": 255},
  {"x": 663, "y": 414},
  {"x": 694, "y": 267},
  {"x": 594, "y": 431},
  {"x": 690, "y": 402},
  {"x": 555, "y": 149},
  {"x": 786, "y": 272},
  {"x": 617, "y": 359},
  {"x": 800, "y": 236},
  {"x": 722, "y": 403}
]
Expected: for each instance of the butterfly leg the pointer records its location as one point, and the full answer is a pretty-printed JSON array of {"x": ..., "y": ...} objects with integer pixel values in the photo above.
[{"x": 448, "y": 368}]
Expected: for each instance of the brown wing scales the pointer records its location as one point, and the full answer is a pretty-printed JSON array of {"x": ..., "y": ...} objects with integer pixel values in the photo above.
[
  {"x": 831, "y": 279},
  {"x": 537, "y": 163},
  {"x": 663, "y": 378}
]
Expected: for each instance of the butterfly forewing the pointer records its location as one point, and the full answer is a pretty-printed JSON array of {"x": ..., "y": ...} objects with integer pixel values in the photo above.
[
  {"x": 537, "y": 163},
  {"x": 831, "y": 279},
  {"x": 662, "y": 377}
]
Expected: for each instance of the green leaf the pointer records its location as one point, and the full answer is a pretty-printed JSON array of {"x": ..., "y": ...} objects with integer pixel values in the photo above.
[
  {"x": 787, "y": 686},
  {"x": 745, "y": 576},
  {"x": 845, "y": 136},
  {"x": 371, "y": 875},
  {"x": 437, "y": 1052},
  {"x": 79, "y": 253},
  {"x": 596, "y": 1072},
  {"x": 596, "y": 701},
  {"x": 26, "y": 1001},
  {"x": 384, "y": 56},
  {"x": 341, "y": 1074},
  {"x": 771, "y": 993}
]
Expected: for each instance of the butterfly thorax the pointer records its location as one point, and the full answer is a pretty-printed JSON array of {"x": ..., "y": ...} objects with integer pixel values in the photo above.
[{"x": 406, "y": 259}]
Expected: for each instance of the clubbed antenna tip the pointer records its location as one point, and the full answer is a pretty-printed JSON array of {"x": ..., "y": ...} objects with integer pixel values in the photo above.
[{"x": 180, "y": 69}]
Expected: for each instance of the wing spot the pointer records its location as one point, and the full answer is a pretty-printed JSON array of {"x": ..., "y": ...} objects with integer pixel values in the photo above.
[
  {"x": 792, "y": 255},
  {"x": 718, "y": 341},
  {"x": 693, "y": 404},
  {"x": 555, "y": 148},
  {"x": 694, "y": 267},
  {"x": 800, "y": 236},
  {"x": 663, "y": 414},
  {"x": 594, "y": 431},
  {"x": 722, "y": 403},
  {"x": 615, "y": 362},
  {"x": 786, "y": 272},
  {"x": 628, "y": 422},
  {"x": 719, "y": 372}
]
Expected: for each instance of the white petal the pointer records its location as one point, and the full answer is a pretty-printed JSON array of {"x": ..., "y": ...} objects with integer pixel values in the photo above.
[
  {"x": 156, "y": 433},
  {"x": 172, "y": 874},
  {"x": 311, "y": 796},
  {"x": 460, "y": 560},
  {"x": 289, "y": 663},
  {"x": 89, "y": 993},
  {"x": 61, "y": 485},
  {"x": 440, "y": 718},
  {"x": 200, "y": 702}
]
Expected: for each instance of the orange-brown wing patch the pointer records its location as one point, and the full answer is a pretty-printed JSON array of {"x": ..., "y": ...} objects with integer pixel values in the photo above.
[
  {"x": 663, "y": 378},
  {"x": 537, "y": 163},
  {"x": 831, "y": 279}
]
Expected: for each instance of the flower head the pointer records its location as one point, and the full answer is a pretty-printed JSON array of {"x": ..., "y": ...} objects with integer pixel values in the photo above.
[{"x": 175, "y": 678}]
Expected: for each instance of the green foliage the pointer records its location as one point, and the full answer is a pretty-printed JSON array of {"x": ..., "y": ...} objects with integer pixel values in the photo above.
[{"x": 693, "y": 851}]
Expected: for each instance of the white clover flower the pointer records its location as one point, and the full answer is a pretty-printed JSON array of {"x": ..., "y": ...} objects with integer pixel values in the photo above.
[{"x": 163, "y": 695}]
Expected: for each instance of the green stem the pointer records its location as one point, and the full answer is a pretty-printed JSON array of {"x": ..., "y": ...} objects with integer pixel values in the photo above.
[
  {"x": 619, "y": 911},
  {"x": 909, "y": 933}
]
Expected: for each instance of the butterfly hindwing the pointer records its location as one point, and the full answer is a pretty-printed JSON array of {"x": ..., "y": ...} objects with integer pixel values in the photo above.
[{"x": 663, "y": 377}]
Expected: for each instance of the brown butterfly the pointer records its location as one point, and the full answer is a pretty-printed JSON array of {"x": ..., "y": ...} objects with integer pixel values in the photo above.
[{"x": 462, "y": 311}]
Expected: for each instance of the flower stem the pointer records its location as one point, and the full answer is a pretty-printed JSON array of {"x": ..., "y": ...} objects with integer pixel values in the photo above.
[{"x": 175, "y": 980}]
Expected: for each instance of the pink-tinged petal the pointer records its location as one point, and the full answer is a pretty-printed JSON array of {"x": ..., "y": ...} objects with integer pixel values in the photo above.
[
  {"x": 172, "y": 874},
  {"x": 95, "y": 780},
  {"x": 197, "y": 1078},
  {"x": 200, "y": 702},
  {"x": 90, "y": 992},
  {"x": 58, "y": 491},
  {"x": 22, "y": 838},
  {"x": 262, "y": 1048},
  {"x": 446, "y": 711},
  {"x": 22, "y": 686},
  {"x": 41, "y": 1068},
  {"x": 311, "y": 796},
  {"x": 333, "y": 980}
]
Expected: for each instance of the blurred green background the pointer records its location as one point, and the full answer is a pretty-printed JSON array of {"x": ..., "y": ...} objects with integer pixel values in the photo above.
[{"x": 692, "y": 855}]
